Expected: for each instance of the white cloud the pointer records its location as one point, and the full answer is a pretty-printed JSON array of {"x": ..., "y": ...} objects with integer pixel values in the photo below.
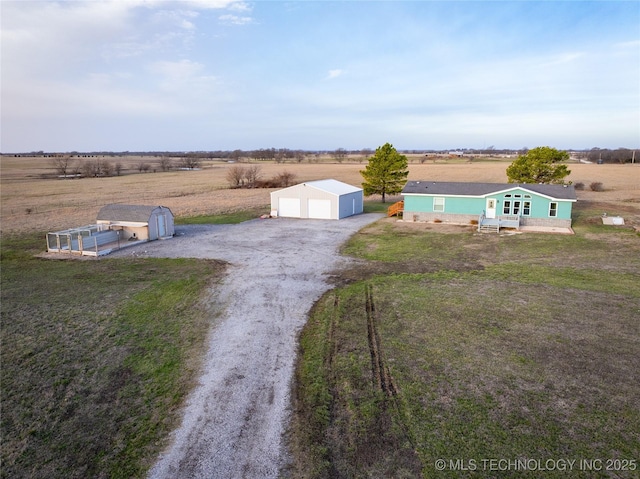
[
  {"x": 170, "y": 4},
  {"x": 334, "y": 74},
  {"x": 230, "y": 19}
]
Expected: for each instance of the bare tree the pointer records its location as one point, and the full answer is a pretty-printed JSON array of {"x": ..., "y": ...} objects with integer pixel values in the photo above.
[
  {"x": 118, "y": 168},
  {"x": 235, "y": 176},
  {"x": 143, "y": 167},
  {"x": 300, "y": 155},
  {"x": 106, "y": 168},
  {"x": 252, "y": 174},
  {"x": 62, "y": 165},
  {"x": 285, "y": 178},
  {"x": 90, "y": 169},
  {"x": 339, "y": 155},
  {"x": 236, "y": 155},
  {"x": 365, "y": 154},
  {"x": 280, "y": 155},
  {"x": 190, "y": 162},
  {"x": 165, "y": 163}
]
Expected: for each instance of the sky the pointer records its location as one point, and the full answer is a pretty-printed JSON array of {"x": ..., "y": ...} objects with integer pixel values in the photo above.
[{"x": 196, "y": 75}]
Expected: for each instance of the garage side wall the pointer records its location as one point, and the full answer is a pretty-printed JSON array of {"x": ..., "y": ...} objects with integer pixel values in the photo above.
[{"x": 351, "y": 204}]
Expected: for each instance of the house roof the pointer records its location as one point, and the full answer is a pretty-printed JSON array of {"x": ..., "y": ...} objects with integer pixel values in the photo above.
[
  {"x": 447, "y": 188},
  {"x": 119, "y": 212}
]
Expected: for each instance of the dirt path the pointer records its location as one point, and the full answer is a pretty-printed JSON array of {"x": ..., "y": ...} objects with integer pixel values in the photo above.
[{"x": 234, "y": 420}]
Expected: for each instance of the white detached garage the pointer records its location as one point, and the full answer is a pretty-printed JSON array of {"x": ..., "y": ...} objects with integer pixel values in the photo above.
[{"x": 322, "y": 199}]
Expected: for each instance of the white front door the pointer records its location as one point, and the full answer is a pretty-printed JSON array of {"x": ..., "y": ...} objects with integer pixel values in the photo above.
[{"x": 491, "y": 208}]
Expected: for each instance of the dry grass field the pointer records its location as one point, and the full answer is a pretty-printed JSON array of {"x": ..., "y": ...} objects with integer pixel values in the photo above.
[{"x": 32, "y": 201}]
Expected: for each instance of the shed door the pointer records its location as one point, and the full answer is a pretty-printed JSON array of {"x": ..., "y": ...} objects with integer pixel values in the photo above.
[
  {"x": 289, "y": 207},
  {"x": 320, "y": 209},
  {"x": 162, "y": 226}
]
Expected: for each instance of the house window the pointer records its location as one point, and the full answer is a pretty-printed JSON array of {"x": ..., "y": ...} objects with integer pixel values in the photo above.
[
  {"x": 553, "y": 209},
  {"x": 438, "y": 204},
  {"x": 517, "y": 196},
  {"x": 526, "y": 208},
  {"x": 527, "y": 196},
  {"x": 507, "y": 195},
  {"x": 516, "y": 207},
  {"x": 506, "y": 207}
]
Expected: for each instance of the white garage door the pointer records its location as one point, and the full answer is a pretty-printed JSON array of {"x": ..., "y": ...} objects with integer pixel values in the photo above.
[
  {"x": 289, "y": 207},
  {"x": 320, "y": 209}
]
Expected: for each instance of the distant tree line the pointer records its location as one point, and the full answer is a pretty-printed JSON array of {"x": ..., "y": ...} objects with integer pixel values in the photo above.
[
  {"x": 105, "y": 163},
  {"x": 67, "y": 166},
  {"x": 619, "y": 155},
  {"x": 279, "y": 155}
]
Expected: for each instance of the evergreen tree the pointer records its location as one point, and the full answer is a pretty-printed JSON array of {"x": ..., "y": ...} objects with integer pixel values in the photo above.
[
  {"x": 539, "y": 165},
  {"x": 386, "y": 173}
]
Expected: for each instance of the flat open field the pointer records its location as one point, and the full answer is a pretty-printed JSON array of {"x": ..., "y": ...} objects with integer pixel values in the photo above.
[{"x": 32, "y": 203}]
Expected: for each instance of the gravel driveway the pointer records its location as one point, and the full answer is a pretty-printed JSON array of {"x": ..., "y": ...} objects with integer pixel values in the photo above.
[{"x": 234, "y": 420}]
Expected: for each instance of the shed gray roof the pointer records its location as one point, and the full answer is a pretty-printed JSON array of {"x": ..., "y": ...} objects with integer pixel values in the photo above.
[
  {"x": 445, "y": 188},
  {"x": 118, "y": 212}
]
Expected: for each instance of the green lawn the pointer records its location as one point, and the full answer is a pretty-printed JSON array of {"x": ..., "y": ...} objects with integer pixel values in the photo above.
[
  {"x": 96, "y": 358},
  {"x": 227, "y": 218},
  {"x": 494, "y": 347}
]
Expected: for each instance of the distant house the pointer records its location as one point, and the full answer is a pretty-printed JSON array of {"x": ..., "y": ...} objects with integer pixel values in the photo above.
[
  {"x": 116, "y": 226},
  {"x": 322, "y": 199},
  {"x": 492, "y": 205}
]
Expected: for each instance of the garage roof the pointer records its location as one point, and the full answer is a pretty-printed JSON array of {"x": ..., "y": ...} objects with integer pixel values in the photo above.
[{"x": 333, "y": 186}]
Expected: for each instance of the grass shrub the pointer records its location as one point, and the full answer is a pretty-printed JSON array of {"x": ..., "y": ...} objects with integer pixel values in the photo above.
[
  {"x": 596, "y": 186},
  {"x": 579, "y": 186}
]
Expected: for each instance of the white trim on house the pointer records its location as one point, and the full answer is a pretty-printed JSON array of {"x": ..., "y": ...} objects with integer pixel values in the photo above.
[{"x": 493, "y": 193}]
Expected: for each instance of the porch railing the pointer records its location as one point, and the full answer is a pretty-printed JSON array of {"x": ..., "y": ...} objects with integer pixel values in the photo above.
[{"x": 395, "y": 209}]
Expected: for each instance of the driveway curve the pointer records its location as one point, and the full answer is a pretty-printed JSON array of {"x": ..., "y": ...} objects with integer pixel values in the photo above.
[{"x": 234, "y": 420}]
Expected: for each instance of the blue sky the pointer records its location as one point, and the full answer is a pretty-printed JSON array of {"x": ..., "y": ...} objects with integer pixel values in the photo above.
[{"x": 142, "y": 75}]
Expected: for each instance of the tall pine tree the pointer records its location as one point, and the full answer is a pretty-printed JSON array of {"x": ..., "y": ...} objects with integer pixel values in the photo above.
[{"x": 386, "y": 173}]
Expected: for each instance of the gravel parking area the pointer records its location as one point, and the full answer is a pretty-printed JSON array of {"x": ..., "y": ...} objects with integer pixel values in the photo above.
[{"x": 234, "y": 421}]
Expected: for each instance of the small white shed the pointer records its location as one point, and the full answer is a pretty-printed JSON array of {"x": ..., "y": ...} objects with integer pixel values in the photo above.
[
  {"x": 141, "y": 222},
  {"x": 322, "y": 199}
]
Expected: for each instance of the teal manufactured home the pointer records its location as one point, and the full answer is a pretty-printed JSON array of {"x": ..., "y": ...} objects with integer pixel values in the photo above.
[{"x": 492, "y": 205}]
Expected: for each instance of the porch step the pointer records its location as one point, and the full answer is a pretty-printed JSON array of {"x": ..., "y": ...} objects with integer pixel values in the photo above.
[
  {"x": 395, "y": 209},
  {"x": 489, "y": 228}
]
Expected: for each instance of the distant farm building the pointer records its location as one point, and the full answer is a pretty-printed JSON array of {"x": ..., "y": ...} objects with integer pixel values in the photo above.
[
  {"x": 322, "y": 199},
  {"x": 116, "y": 226}
]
